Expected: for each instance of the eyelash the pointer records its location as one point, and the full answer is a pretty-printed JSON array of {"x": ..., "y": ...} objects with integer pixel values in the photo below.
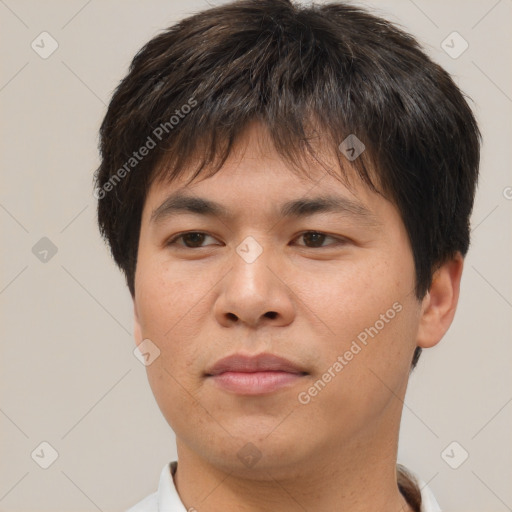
[{"x": 339, "y": 241}]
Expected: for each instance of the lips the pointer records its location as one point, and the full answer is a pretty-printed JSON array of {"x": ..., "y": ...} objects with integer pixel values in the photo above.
[
  {"x": 250, "y": 364},
  {"x": 254, "y": 375}
]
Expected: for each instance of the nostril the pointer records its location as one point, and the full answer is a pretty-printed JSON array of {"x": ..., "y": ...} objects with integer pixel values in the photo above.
[{"x": 271, "y": 314}]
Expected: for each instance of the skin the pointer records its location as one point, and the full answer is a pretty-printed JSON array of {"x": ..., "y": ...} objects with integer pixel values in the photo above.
[{"x": 198, "y": 305}]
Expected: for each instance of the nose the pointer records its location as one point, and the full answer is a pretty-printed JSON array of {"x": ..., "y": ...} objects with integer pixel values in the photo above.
[{"x": 255, "y": 293}]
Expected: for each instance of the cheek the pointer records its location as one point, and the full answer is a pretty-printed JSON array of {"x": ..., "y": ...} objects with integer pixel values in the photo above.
[
  {"x": 167, "y": 299},
  {"x": 369, "y": 317},
  {"x": 373, "y": 373},
  {"x": 351, "y": 297},
  {"x": 171, "y": 313}
]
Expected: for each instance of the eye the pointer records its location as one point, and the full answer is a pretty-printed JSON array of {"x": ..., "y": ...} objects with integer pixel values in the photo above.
[
  {"x": 316, "y": 239},
  {"x": 196, "y": 239},
  {"x": 191, "y": 240}
]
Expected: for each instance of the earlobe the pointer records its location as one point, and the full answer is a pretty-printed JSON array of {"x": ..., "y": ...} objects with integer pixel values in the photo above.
[
  {"x": 439, "y": 304},
  {"x": 137, "y": 329}
]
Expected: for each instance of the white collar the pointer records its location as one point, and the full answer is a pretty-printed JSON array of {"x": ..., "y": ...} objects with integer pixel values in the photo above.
[{"x": 168, "y": 497}]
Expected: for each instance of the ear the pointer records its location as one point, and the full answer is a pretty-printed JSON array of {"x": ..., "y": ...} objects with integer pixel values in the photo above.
[
  {"x": 137, "y": 329},
  {"x": 439, "y": 304}
]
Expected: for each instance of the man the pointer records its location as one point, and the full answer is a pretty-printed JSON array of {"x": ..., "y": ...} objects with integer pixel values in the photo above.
[{"x": 287, "y": 190}]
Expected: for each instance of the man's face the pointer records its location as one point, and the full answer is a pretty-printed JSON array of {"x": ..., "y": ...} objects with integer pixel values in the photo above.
[{"x": 344, "y": 295}]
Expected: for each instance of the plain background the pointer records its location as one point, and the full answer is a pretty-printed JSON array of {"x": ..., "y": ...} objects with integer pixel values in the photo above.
[{"x": 68, "y": 373}]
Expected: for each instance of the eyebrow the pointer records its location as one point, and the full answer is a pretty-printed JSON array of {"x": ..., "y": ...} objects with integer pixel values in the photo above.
[{"x": 180, "y": 203}]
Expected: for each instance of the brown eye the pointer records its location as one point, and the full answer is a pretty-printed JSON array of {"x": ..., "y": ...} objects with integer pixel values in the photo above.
[
  {"x": 191, "y": 240},
  {"x": 313, "y": 238}
]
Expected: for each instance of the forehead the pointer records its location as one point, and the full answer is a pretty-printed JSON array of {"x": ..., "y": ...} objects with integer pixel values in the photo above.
[{"x": 255, "y": 176}]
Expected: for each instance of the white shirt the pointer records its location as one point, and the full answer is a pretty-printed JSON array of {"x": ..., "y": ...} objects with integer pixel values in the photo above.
[{"x": 166, "y": 499}]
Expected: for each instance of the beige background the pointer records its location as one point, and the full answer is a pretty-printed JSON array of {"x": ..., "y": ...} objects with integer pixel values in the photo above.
[{"x": 68, "y": 374}]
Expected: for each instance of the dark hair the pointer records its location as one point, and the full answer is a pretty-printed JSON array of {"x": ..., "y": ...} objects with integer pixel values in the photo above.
[
  {"x": 408, "y": 487},
  {"x": 327, "y": 70}
]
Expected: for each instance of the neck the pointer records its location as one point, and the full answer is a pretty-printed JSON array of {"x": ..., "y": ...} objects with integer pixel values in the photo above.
[{"x": 354, "y": 476}]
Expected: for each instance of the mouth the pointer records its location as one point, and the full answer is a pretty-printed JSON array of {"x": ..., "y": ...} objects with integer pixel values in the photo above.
[{"x": 254, "y": 375}]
